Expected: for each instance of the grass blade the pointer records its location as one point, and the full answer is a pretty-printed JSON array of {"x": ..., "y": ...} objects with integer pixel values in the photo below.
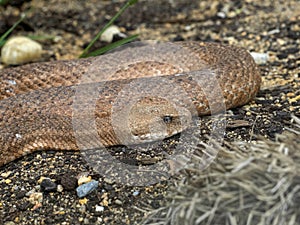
[
  {"x": 112, "y": 46},
  {"x": 128, "y": 4},
  {"x": 2, "y": 38}
]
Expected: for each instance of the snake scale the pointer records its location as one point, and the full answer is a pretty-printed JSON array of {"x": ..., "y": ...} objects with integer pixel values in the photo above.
[{"x": 37, "y": 100}]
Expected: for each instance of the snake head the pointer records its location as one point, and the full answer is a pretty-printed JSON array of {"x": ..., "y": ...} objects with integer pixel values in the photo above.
[{"x": 151, "y": 119}]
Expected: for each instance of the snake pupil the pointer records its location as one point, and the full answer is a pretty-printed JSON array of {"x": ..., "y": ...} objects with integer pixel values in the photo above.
[{"x": 167, "y": 119}]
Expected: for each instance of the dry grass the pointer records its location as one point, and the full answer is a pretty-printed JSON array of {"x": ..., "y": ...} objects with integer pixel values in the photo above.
[{"x": 249, "y": 183}]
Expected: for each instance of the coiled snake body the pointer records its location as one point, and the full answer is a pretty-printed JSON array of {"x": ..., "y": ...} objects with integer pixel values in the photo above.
[{"x": 37, "y": 100}]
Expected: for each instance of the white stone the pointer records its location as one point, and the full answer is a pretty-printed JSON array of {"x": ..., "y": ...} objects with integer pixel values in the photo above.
[
  {"x": 99, "y": 208},
  {"x": 260, "y": 58},
  {"x": 109, "y": 33},
  {"x": 20, "y": 50}
]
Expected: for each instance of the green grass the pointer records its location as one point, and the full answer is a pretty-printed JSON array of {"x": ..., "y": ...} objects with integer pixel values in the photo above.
[
  {"x": 5, "y": 35},
  {"x": 4, "y": 2},
  {"x": 85, "y": 52},
  {"x": 112, "y": 46}
]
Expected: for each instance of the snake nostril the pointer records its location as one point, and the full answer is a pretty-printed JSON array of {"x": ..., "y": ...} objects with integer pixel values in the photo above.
[{"x": 167, "y": 119}]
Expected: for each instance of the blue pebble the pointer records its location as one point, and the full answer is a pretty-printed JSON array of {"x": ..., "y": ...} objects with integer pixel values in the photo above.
[
  {"x": 135, "y": 193},
  {"x": 85, "y": 189}
]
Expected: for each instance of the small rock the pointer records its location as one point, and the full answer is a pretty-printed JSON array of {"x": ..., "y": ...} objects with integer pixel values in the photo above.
[
  {"x": 24, "y": 205},
  {"x": 48, "y": 185},
  {"x": 84, "y": 179},
  {"x": 20, "y": 50},
  {"x": 60, "y": 188},
  {"x": 35, "y": 198},
  {"x": 274, "y": 31},
  {"x": 68, "y": 182},
  {"x": 41, "y": 179},
  {"x": 21, "y": 194},
  {"x": 29, "y": 193},
  {"x": 7, "y": 181},
  {"x": 9, "y": 223},
  {"x": 86, "y": 221},
  {"x": 83, "y": 201},
  {"x": 110, "y": 32},
  {"x": 82, "y": 209},
  {"x": 135, "y": 193},
  {"x": 99, "y": 208},
  {"x": 260, "y": 58},
  {"x": 118, "y": 202},
  {"x": 85, "y": 189},
  {"x": 221, "y": 15},
  {"x": 280, "y": 41},
  {"x": 6, "y": 174}
]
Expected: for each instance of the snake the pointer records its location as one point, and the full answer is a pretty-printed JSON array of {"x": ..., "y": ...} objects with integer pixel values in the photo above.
[{"x": 133, "y": 95}]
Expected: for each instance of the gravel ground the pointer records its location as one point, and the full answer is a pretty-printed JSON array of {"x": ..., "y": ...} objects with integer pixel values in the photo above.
[{"x": 260, "y": 26}]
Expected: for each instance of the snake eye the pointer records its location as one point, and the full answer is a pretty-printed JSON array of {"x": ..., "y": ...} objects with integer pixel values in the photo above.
[{"x": 167, "y": 119}]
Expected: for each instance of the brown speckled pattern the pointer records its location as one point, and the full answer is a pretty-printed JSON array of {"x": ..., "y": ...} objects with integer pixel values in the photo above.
[{"x": 36, "y": 99}]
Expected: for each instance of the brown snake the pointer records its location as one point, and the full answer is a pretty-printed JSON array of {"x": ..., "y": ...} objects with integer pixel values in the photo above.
[{"x": 37, "y": 100}]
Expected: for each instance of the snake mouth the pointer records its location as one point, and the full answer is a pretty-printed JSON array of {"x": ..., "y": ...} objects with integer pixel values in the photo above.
[
  {"x": 161, "y": 127},
  {"x": 155, "y": 136},
  {"x": 150, "y": 137}
]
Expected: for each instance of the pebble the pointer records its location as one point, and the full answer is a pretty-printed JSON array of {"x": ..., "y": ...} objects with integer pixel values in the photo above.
[
  {"x": 118, "y": 202},
  {"x": 99, "y": 208},
  {"x": 35, "y": 198},
  {"x": 83, "y": 201},
  {"x": 29, "y": 193},
  {"x": 221, "y": 15},
  {"x": 82, "y": 209},
  {"x": 60, "y": 188},
  {"x": 135, "y": 193},
  {"x": 260, "y": 58},
  {"x": 84, "y": 179},
  {"x": 7, "y": 181},
  {"x": 109, "y": 34},
  {"x": 21, "y": 194},
  {"x": 47, "y": 185},
  {"x": 9, "y": 223},
  {"x": 6, "y": 174},
  {"x": 20, "y": 50},
  {"x": 274, "y": 31},
  {"x": 85, "y": 189},
  {"x": 68, "y": 182}
]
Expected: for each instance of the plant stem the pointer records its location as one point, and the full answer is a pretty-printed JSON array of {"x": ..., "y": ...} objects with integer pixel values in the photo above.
[
  {"x": 11, "y": 29},
  {"x": 128, "y": 4}
]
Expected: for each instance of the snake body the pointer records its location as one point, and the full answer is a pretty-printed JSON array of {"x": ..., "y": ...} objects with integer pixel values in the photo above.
[{"x": 37, "y": 100}]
